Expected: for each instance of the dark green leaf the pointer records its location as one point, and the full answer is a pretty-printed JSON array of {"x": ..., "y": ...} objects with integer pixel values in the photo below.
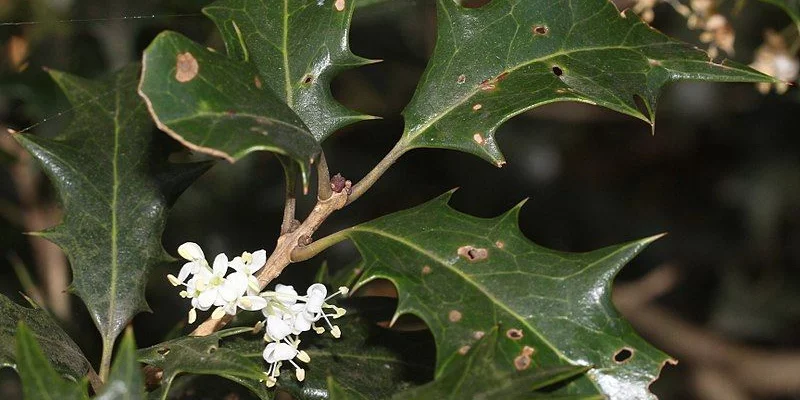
[
  {"x": 126, "y": 381},
  {"x": 357, "y": 360},
  {"x": 298, "y": 47},
  {"x": 65, "y": 356},
  {"x": 476, "y": 375},
  {"x": 465, "y": 275},
  {"x": 115, "y": 186},
  {"x": 792, "y": 7},
  {"x": 217, "y": 105},
  {"x": 204, "y": 356},
  {"x": 337, "y": 391},
  {"x": 39, "y": 380},
  {"x": 494, "y": 62}
]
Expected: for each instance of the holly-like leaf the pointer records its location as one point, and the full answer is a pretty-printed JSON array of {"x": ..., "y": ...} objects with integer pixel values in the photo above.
[
  {"x": 791, "y": 7},
  {"x": 204, "y": 356},
  {"x": 39, "y": 379},
  {"x": 298, "y": 47},
  {"x": 337, "y": 391},
  {"x": 357, "y": 360},
  {"x": 217, "y": 105},
  {"x": 65, "y": 356},
  {"x": 115, "y": 185},
  {"x": 476, "y": 375},
  {"x": 126, "y": 381},
  {"x": 494, "y": 62},
  {"x": 465, "y": 275}
]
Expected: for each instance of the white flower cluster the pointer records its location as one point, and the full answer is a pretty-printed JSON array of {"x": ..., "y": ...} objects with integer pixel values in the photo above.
[{"x": 287, "y": 314}]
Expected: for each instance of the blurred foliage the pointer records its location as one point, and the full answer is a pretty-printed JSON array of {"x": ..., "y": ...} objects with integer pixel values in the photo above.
[{"x": 721, "y": 173}]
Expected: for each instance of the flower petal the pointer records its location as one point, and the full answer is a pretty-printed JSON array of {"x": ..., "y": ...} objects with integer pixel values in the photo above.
[
  {"x": 206, "y": 299},
  {"x": 191, "y": 251},
  {"x": 252, "y": 303},
  {"x": 186, "y": 270},
  {"x": 220, "y": 265},
  {"x": 259, "y": 260}
]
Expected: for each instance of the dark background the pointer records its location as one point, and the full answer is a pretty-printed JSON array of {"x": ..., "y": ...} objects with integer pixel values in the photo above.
[{"x": 721, "y": 175}]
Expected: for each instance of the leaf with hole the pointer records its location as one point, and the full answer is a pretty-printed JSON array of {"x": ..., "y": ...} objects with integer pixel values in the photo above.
[
  {"x": 298, "y": 47},
  {"x": 62, "y": 353},
  {"x": 465, "y": 275},
  {"x": 111, "y": 173},
  {"x": 509, "y": 56},
  {"x": 39, "y": 379},
  {"x": 476, "y": 375}
]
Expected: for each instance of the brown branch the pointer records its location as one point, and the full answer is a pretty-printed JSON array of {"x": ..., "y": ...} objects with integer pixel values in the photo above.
[{"x": 281, "y": 256}]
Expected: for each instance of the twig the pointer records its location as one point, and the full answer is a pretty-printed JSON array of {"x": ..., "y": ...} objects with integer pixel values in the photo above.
[
  {"x": 362, "y": 186},
  {"x": 290, "y": 175}
]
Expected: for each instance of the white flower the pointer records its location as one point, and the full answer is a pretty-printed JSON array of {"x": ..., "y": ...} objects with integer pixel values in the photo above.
[
  {"x": 197, "y": 261},
  {"x": 231, "y": 296},
  {"x": 248, "y": 264},
  {"x": 287, "y": 309},
  {"x": 204, "y": 285},
  {"x": 277, "y": 352}
]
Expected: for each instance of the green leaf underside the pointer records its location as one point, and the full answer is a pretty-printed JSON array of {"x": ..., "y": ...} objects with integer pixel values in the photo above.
[
  {"x": 39, "y": 380},
  {"x": 560, "y": 302},
  {"x": 791, "y": 7},
  {"x": 203, "y": 356},
  {"x": 354, "y": 361},
  {"x": 115, "y": 186},
  {"x": 475, "y": 375},
  {"x": 224, "y": 108},
  {"x": 337, "y": 391},
  {"x": 65, "y": 356},
  {"x": 494, "y": 62},
  {"x": 298, "y": 47},
  {"x": 126, "y": 381}
]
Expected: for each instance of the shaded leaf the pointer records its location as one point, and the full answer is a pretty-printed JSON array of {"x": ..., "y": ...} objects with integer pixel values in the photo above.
[
  {"x": 62, "y": 353},
  {"x": 494, "y": 62},
  {"x": 219, "y": 106},
  {"x": 204, "y": 356},
  {"x": 298, "y": 47},
  {"x": 791, "y": 7},
  {"x": 337, "y": 391},
  {"x": 360, "y": 360},
  {"x": 475, "y": 375},
  {"x": 115, "y": 185},
  {"x": 125, "y": 381},
  {"x": 39, "y": 380},
  {"x": 465, "y": 275}
]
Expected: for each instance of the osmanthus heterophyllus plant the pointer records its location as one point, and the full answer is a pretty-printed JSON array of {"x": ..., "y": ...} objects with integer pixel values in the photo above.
[{"x": 508, "y": 317}]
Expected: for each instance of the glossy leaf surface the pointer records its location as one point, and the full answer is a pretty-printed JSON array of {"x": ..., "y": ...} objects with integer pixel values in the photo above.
[
  {"x": 494, "y": 62},
  {"x": 39, "y": 380},
  {"x": 465, "y": 275}
]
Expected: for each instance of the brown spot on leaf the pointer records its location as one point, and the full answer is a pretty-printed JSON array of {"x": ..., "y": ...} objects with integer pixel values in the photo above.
[
  {"x": 186, "y": 67},
  {"x": 308, "y": 79},
  {"x": 557, "y": 71},
  {"x": 339, "y": 5},
  {"x": 426, "y": 270},
  {"x": 514, "y": 334},
  {"x": 257, "y": 81},
  {"x": 478, "y": 138},
  {"x": 461, "y": 79},
  {"x": 654, "y": 63},
  {"x": 522, "y": 362},
  {"x": 491, "y": 84},
  {"x": 478, "y": 335},
  {"x": 463, "y": 350},
  {"x": 473, "y": 253},
  {"x": 540, "y": 30},
  {"x": 528, "y": 350},
  {"x": 454, "y": 316},
  {"x": 477, "y": 107},
  {"x": 499, "y": 244}
]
